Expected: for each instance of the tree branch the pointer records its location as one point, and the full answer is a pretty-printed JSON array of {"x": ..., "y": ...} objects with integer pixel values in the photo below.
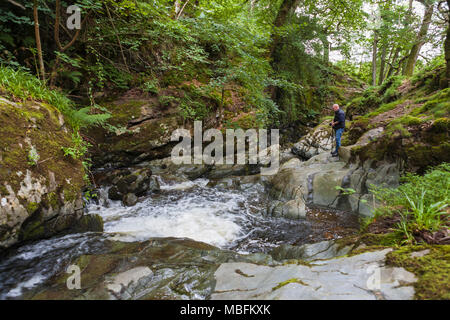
[
  {"x": 16, "y": 4},
  {"x": 181, "y": 11}
]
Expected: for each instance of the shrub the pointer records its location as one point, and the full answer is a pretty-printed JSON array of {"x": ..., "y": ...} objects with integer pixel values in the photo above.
[{"x": 420, "y": 201}]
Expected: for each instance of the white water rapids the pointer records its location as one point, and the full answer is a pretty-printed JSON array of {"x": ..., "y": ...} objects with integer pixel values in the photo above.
[
  {"x": 227, "y": 218},
  {"x": 182, "y": 210}
]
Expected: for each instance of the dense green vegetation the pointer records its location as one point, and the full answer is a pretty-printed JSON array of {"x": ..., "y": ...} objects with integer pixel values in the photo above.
[
  {"x": 420, "y": 202},
  {"x": 269, "y": 57}
]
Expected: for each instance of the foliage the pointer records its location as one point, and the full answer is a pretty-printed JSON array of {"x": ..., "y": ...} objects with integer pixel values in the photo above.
[
  {"x": 20, "y": 84},
  {"x": 420, "y": 201}
]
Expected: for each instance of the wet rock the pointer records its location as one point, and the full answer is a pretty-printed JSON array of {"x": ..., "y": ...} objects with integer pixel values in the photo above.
[
  {"x": 154, "y": 185},
  {"x": 130, "y": 200},
  {"x": 362, "y": 277},
  {"x": 293, "y": 184},
  {"x": 160, "y": 268},
  {"x": 325, "y": 183},
  {"x": 150, "y": 126},
  {"x": 125, "y": 283},
  {"x": 310, "y": 252},
  {"x": 136, "y": 182},
  {"x": 40, "y": 187},
  {"x": 114, "y": 194},
  {"x": 88, "y": 223}
]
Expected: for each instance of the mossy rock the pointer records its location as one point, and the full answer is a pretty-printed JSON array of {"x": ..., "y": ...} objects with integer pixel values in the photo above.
[
  {"x": 37, "y": 193},
  {"x": 88, "y": 223},
  {"x": 432, "y": 269}
]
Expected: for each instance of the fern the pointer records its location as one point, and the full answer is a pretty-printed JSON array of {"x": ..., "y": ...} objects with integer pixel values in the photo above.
[{"x": 85, "y": 118}]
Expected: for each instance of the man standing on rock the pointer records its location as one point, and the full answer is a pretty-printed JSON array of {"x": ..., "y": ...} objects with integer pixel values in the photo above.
[{"x": 338, "y": 125}]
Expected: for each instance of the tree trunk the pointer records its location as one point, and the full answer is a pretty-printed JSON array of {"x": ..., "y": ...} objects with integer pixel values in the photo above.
[
  {"x": 326, "y": 50},
  {"x": 382, "y": 65},
  {"x": 447, "y": 49},
  {"x": 420, "y": 40},
  {"x": 275, "y": 49},
  {"x": 117, "y": 37},
  {"x": 281, "y": 18},
  {"x": 392, "y": 63},
  {"x": 38, "y": 40},
  {"x": 374, "y": 59},
  {"x": 252, "y": 6},
  {"x": 177, "y": 7}
]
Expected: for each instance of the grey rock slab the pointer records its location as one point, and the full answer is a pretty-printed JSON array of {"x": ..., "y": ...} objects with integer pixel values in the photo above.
[
  {"x": 123, "y": 280},
  {"x": 358, "y": 277}
]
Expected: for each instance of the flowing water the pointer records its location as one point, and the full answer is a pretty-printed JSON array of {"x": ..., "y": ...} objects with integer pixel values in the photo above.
[{"x": 227, "y": 218}]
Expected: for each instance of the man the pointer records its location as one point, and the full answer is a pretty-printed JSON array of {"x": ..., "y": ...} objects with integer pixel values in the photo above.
[{"x": 338, "y": 125}]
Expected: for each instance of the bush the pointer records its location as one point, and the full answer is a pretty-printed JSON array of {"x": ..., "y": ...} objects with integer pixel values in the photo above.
[
  {"x": 420, "y": 201},
  {"x": 20, "y": 84}
]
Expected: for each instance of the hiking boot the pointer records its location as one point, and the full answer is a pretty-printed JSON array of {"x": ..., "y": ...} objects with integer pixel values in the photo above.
[{"x": 335, "y": 154}]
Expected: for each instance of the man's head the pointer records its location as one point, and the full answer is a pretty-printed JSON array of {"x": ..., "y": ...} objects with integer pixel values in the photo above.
[{"x": 335, "y": 107}]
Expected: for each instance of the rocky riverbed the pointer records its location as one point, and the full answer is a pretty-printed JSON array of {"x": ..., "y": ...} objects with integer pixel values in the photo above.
[{"x": 218, "y": 232}]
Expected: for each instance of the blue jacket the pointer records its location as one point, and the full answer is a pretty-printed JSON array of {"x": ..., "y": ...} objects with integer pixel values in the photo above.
[{"x": 339, "y": 116}]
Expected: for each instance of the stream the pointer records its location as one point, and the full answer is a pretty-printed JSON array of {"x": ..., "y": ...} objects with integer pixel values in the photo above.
[{"x": 228, "y": 218}]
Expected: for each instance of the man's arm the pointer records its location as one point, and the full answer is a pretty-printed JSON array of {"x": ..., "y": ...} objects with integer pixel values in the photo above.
[{"x": 340, "y": 119}]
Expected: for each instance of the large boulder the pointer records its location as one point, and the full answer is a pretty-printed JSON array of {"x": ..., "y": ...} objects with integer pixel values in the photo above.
[
  {"x": 143, "y": 129},
  {"x": 40, "y": 187},
  {"x": 318, "y": 140},
  {"x": 327, "y": 181},
  {"x": 292, "y": 188},
  {"x": 345, "y": 152}
]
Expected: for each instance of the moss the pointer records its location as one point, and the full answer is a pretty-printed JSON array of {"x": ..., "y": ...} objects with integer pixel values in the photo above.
[
  {"x": 407, "y": 120},
  {"x": 437, "y": 105},
  {"x": 421, "y": 155},
  {"x": 71, "y": 193},
  {"x": 90, "y": 222},
  {"x": 248, "y": 121},
  {"x": 397, "y": 130},
  {"x": 47, "y": 137},
  {"x": 52, "y": 200},
  {"x": 32, "y": 207},
  {"x": 284, "y": 283},
  {"x": 356, "y": 129},
  {"x": 370, "y": 100},
  {"x": 365, "y": 249},
  {"x": 3, "y": 191},
  {"x": 384, "y": 108},
  {"x": 440, "y": 125},
  {"x": 297, "y": 262},
  {"x": 381, "y": 239},
  {"x": 346, "y": 241},
  {"x": 122, "y": 112},
  {"x": 32, "y": 230},
  {"x": 432, "y": 270}
]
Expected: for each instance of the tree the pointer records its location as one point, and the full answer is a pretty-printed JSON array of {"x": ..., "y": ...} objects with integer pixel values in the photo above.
[
  {"x": 38, "y": 40},
  {"x": 447, "y": 48},
  {"x": 338, "y": 18},
  {"x": 286, "y": 8},
  {"x": 421, "y": 38}
]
